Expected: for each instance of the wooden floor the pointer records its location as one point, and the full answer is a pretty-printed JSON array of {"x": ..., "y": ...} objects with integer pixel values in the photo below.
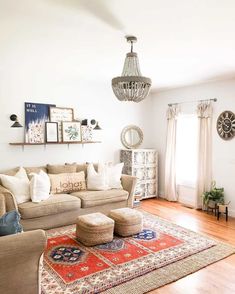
[{"x": 218, "y": 278}]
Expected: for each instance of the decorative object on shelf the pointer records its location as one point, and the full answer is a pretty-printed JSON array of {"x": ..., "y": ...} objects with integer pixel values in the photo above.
[
  {"x": 226, "y": 125},
  {"x": 131, "y": 85},
  {"x": 86, "y": 133},
  {"x": 84, "y": 122},
  {"x": 143, "y": 164},
  {"x": 61, "y": 114},
  {"x": 89, "y": 122},
  {"x": 132, "y": 137},
  {"x": 212, "y": 197},
  {"x": 16, "y": 123},
  {"x": 51, "y": 130},
  {"x": 93, "y": 123},
  {"x": 36, "y": 114},
  {"x": 71, "y": 131}
]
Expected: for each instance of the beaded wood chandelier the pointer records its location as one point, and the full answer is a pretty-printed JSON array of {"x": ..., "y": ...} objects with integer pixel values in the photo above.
[{"x": 131, "y": 85}]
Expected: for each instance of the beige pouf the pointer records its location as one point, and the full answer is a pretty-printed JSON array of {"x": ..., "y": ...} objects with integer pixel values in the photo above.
[
  {"x": 95, "y": 228},
  {"x": 127, "y": 221}
]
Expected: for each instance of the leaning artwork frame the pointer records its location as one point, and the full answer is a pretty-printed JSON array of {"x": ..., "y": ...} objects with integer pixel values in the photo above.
[
  {"x": 87, "y": 133},
  {"x": 36, "y": 115},
  {"x": 71, "y": 131},
  {"x": 51, "y": 130},
  {"x": 61, "y": 114}
]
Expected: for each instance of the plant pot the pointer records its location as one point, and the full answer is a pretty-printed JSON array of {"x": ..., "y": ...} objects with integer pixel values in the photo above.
[{"x": 211, "y": 204}]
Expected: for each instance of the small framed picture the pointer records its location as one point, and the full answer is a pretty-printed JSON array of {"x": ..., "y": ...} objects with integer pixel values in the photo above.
[
  {"x": 86, "y": 133},
  {"x": 71, "y": 131},
  {"x": 60, "y": 114},
  {"x": 51, "y": 129}
]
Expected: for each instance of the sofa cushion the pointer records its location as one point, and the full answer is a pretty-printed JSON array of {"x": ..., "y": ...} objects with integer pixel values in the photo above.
[
  {"x": 10, "y": 172},
  {"x": 35, "y": 169},
  {"x": 94, "y": 198},
  {"x": 83, "y": 166},
  {"x": 54, "y": 205},
  {"x": 60, "y": 169}
]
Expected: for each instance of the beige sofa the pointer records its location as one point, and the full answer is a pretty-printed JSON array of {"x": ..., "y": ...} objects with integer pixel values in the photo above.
[
  {"x": 20, "y": 258},
  {"x": 63, "y": 209}
]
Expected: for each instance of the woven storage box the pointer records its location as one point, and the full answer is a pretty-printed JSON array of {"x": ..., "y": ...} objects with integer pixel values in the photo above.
[
  {"x": 127, "y": 221},
  {"x": 95, "y": 228}
]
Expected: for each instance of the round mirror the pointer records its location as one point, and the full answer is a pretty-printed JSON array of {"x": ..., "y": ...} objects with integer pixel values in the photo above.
[{"x": 132, "y": 136}]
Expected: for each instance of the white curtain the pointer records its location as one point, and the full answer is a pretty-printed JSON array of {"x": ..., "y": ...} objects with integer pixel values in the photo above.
[
  {"x": 170, "y": 161},
  {"x": 204, "y": 173}
]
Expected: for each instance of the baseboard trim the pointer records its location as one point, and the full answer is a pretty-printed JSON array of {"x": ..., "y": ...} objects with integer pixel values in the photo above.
[
  {"x": 161, "y": 194},
  {"x": 231, "y": 212}
]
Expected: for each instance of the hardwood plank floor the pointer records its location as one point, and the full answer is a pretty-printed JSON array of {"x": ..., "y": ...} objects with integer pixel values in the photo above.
[{"x": 218, "y": 278}]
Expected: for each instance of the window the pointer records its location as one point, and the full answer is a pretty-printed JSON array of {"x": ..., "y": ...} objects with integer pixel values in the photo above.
[{"x": 186, "y": 149}]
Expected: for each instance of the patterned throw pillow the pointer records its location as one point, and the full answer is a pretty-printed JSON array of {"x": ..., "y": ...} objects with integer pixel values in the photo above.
[
  {"x": 10, "y": 223},
  {"x": 67, "y": 182}
]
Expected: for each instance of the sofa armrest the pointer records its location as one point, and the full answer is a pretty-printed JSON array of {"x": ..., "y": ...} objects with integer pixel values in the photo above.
[
  {"x": 2, "y": 205},
  {"x": 128, "y": 184},
  {"x": 19, "y": 262},
  {"x": 10, "y": 200}
]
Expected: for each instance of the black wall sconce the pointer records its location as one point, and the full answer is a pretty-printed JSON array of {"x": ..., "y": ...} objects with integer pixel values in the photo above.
[
  {"x": 16, "y": 123},
  {"x": 97, "y": 127}
]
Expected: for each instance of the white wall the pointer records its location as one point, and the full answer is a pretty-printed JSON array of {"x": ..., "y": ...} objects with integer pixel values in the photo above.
[
  {"x": 48, "y": 55},
  {"x": 223, "y": 151},
  {"x": 53, "y": 53}
]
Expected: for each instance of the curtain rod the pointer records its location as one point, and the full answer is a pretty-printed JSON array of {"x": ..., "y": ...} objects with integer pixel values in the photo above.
[{"x": 213, "y": 99}]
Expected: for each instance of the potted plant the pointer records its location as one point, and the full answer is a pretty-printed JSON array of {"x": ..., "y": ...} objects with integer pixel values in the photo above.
[{"x": 214, "y": 196}]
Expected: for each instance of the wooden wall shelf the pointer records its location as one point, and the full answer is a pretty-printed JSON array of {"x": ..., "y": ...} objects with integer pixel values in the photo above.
[{"x": 55, "y": 143}]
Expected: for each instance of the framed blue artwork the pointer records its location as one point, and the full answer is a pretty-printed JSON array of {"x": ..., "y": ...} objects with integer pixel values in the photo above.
[{"x": 36, "y": 115}]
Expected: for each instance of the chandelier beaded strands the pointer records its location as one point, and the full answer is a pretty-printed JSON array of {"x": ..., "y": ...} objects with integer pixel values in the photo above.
[{"x": 131, "y": 85}]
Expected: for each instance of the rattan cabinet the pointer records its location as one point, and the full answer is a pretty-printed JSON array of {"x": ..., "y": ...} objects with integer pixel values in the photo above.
[{"x": 142, "y": 163}]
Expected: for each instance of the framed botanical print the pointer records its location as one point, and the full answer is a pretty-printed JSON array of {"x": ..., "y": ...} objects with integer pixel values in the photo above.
[
  {"x": 71, "y": 131},
  {"x": 60, "y": 114},
  {"x": 51, "y": 129}
]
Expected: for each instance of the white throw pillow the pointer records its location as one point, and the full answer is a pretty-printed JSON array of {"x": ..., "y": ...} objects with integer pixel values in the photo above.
[
  {"x": 96, "y": 180},
  {"x": 113, "y": 175},
  {"x": 40, "y": 186},
  {"x": 18, "y": 185}
]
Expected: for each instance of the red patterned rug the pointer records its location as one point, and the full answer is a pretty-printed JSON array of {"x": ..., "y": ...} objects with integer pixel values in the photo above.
[{"x": 70, "y": 267}]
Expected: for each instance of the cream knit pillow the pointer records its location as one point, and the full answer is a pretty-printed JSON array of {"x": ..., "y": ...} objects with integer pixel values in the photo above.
[
  {"x": 39, "y": 186},
  {"x": 18, "y": 185},
  {"x": 96, "y": 180},
  {"x": 113, "y": 175}
]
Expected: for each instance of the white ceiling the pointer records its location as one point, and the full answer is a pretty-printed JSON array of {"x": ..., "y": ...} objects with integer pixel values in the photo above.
[{"x": 180, "y": 42}]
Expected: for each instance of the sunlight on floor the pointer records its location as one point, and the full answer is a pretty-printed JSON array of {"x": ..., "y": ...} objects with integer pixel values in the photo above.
[{"x": 188, "y": 222}]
